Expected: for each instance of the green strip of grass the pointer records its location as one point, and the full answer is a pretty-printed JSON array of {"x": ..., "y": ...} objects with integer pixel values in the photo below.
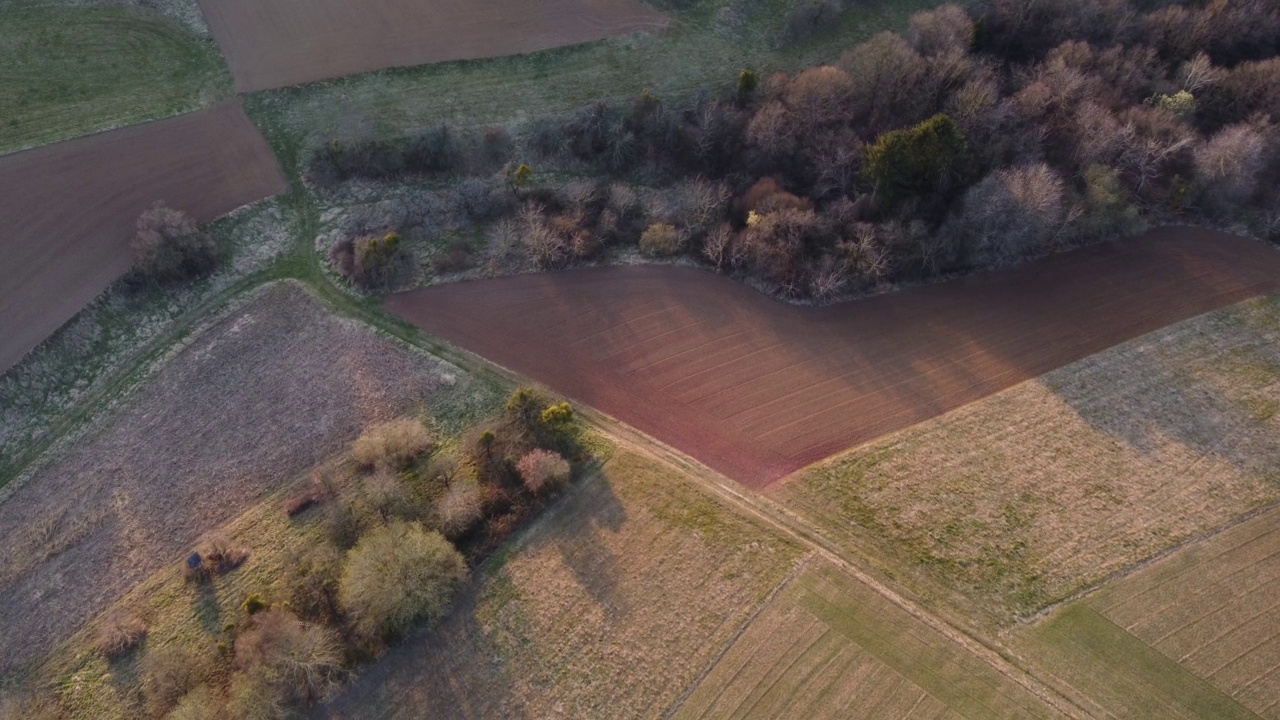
[
  {"x": 73, "y": 71},
  {"x": 1124, "y": 674}
]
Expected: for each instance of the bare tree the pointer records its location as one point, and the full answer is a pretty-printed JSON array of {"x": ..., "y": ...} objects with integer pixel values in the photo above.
[
  {"x": 1228, "y": 166},
  {"x": 1198, "y": 73}
]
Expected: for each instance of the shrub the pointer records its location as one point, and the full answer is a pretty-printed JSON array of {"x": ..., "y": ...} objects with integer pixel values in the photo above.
[
  {"x": 169, "y": 247},
  {"x": 542, "y": 470},
  {"x": 313, "y": 583},
  {"x": 525, "y": 405},
  {"x": 397, "y": 575},
  {"x": 377, "y": 261},
  {"x": 301, "y": 661},
  {"x": 342, "y": 525},
  {"x": 254, "y": 604},
  {"x": 119, "y": 634},
  {"x": 394, "y": 444},
  {"x": 213, "y": 556},
  {"x": 459, "y": 509},
  {"x": 916, "y": 160},
  {"x": 169, "y": 672},
  {"x": 661, "y": 239},
  {"x": 386, "y": 495},
  {"x": 748, "y": 81},
  {"x": 557, "y": 415}
]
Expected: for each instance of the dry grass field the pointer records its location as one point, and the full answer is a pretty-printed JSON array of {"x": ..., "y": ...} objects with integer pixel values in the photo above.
[
  {"x": 1041, "y": 491},
  {"x": 756, "y": 388},
  {"x": 608, "y": 606},
  {"x": 70, "y": 209},
  {"x": 1212, "y": 608},
  {"x": 238, "y": 412},
  {"x": 828, "y": 646},
  {"x": 277, "y": 43}
]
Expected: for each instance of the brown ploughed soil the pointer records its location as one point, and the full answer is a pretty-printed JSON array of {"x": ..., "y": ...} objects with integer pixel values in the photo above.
[
  {"x": 757, "y": 389},
  {"x": 277, "y": 43},
  {"x": 69, "y": 210},
  {"x": 246, "y": 406}
]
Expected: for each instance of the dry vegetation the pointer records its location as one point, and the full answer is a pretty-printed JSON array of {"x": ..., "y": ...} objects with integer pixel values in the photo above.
[
  {"x": 261, "y": 395},
  {"x": 829, "y": 646},
  {"x": 1211, "y": 608},
  {"x": 609, "y": 605},
  {"x": 1040, "y": 491}
]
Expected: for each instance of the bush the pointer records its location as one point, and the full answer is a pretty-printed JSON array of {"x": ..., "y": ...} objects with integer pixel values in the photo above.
[
  {"x": 254, "y": 604},
  {"x": 398, "y": 575},
  {"x": 525, "y": 406},
  {"x": 169, "y": 247},
  {"x": 169, "y": 672},
  {"x": 459, "y": 509},
  {"x": 313, "y": 583},
  {"x": 376, "y": 261},
  {"x": 119, "y": 634},
  {"x": 542, "y": 470},
  {"x": 661, "y": 240},
  {"x": 213, "y": 556},
  {"x": 394, "y": 444},
  {"x": 301, "y": 661},
  {"x": 342, "y": 525}
]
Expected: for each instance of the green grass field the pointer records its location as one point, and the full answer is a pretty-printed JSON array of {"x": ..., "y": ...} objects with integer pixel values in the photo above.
[
  {"x": 71, "y": 71},
  {"x": 699, "y": 50}
]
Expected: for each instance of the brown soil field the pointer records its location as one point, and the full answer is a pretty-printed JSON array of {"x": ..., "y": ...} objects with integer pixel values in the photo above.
[
  {"x": 260, "y": 396},
  {"x": 757, "y": 389},
  {"x": 1212, "y": 608},
  {"x": 277, "y": 43},
  {"x": 69, "y": 209}
]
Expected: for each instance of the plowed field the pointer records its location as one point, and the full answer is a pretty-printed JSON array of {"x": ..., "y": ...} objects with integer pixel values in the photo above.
[
  {"x": 757, "y": 389},
  {"x": 69, "y": 209},
  {"x": 277, "y": 43}
]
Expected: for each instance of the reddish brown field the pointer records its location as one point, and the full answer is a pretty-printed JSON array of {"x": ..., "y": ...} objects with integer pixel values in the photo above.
[
  {"x": 277, "y": 43},
  {"x": 757, "y": 389},
  {"x": 69, "y": 209}
]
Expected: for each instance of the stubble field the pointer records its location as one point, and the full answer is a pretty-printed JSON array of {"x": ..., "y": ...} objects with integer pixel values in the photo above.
[
  {"x": 1044, "y": 490},
  {"x": 278, "y": 43},
  {"x": 70, "y": 209},
  {"x": 757, "y": 389},
  {"x": 1212, "y": 609}
]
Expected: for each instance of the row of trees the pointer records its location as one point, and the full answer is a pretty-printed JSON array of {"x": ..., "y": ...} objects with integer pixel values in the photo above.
[{"x": 976, "y": 137}]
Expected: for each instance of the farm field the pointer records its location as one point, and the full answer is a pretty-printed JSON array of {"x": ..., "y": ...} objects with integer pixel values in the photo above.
[
  {"x": 757, "y": 389},
  {"x": 1042, "y": 491},
  {"x": 113, "y": 67},
  {"x": 241, "y": 409},
  {"x": 608, "y": 606},
  {"x": 287, "y": 42},
  {"x": 1211, "y": 608},
  {"x": 828, "y": 646},
  {"x": 70, "y": 208}
]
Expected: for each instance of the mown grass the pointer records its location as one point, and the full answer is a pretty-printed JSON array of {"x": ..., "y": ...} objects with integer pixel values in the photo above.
[
  {"x": 71, "y": 71},
  {"x": 1120, "y": 672},
  {"x": 697, "y": 51}
]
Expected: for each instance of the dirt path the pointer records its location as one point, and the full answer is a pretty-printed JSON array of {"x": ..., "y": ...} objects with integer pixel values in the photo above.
[
  {"x": 69, "y": 209},
  {"x": 277, "y": 43},
  {"x": 758, "y": 389}
]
